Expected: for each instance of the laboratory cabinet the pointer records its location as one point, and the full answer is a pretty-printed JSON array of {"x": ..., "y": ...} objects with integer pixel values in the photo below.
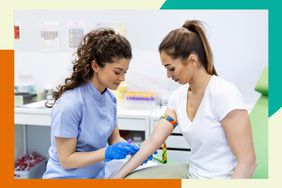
[
  {"x": 30, "y": 122},
  {"x": 32, "y": 130}
]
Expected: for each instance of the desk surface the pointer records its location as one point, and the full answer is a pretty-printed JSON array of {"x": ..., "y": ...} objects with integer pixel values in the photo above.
[
  {"x": 39, "y": 111},
  {"x": 39, "y": 108}
]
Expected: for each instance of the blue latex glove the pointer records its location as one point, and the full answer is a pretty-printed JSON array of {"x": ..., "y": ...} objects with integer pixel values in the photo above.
[
  {"x": 149, "y": 158},
  {"x": 119, "y": 151}
]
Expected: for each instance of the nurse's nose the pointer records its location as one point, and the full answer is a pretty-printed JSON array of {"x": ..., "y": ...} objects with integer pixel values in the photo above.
[{"x": 122, "y": 77}]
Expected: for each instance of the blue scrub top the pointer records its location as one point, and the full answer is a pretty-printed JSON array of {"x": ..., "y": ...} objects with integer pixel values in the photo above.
[{"x": 86, "y": 114}]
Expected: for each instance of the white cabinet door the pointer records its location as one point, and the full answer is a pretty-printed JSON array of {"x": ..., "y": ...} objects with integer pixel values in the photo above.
[
  {"x": 178, "y": 156},
  {"x": 177, "y": 142},
  {"x": 135, "y": 124}
]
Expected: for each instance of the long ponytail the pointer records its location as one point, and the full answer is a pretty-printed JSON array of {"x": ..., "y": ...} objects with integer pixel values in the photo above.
[
  {"x": 198, "y": 28},
  {"x": 190, "y": 38}
]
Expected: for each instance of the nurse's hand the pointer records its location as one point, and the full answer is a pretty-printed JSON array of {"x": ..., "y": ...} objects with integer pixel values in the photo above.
[{"x": 119, "y": 151}]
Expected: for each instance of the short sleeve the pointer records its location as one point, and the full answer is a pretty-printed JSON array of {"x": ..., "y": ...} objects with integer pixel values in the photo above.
[
  {"x": 227, "y": 98},
  {"x": 66, "y": 118},
  {"x": 172, "y": 100}
]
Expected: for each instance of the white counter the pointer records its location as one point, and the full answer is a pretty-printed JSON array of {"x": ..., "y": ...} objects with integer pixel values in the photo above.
[
  {"x": 37, "y": 114},
  {"x": 129, "y": 119}
]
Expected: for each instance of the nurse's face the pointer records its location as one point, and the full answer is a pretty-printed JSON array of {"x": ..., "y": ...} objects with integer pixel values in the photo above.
[
  {"x": 179, "y": 70},
  {"x": 112, "y": 74}
]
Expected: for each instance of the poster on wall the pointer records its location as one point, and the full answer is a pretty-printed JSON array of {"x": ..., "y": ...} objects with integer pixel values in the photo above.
[
  {"x": 49, "y": 35},
  {"x": 76, "y": 31}
]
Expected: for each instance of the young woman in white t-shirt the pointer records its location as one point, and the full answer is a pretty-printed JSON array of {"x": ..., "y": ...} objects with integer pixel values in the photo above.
[{"x": 210, "y": 111}]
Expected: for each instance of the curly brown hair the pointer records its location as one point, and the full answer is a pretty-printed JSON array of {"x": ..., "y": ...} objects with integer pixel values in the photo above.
[{"x": 101, "y": 45}]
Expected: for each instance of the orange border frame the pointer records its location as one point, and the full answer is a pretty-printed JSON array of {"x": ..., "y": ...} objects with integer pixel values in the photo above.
[{"x": 7, "y": 145}]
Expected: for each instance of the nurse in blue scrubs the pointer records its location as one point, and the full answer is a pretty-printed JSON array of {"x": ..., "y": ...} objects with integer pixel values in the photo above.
[{"x": 84, "y": 132}]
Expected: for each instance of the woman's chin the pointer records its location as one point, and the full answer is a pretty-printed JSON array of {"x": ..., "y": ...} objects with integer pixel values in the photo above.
[{"x": 113, "y": 87}]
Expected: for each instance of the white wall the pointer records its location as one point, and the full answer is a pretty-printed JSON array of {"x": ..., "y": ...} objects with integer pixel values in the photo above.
[{"x": 239, "y": 40}]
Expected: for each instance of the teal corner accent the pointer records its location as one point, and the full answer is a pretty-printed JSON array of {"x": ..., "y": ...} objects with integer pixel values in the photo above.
[
  {"x": 216, "y": 4},
  {"x": 275, "y": 40}
]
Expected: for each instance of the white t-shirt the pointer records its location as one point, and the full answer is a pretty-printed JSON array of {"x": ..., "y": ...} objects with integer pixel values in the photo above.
[{"x": 211, "y": 156}]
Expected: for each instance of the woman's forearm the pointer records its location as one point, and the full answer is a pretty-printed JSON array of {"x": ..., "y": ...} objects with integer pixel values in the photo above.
[
  {"x": 162, "y": 130},
  {"x": 147, "y": 148},
  {"x": 81, "y": 159},
  {"x": 244, "y": 170}
]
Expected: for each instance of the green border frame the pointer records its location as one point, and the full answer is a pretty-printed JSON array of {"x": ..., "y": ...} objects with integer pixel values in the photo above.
[{"x": 274, "y": 39}]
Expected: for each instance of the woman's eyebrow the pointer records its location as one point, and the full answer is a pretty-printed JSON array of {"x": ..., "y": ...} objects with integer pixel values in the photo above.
[{"x": 120, "y": 69}]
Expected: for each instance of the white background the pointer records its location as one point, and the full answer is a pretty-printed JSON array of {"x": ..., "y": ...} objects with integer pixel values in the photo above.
[{"x": 238, "y": 38}]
